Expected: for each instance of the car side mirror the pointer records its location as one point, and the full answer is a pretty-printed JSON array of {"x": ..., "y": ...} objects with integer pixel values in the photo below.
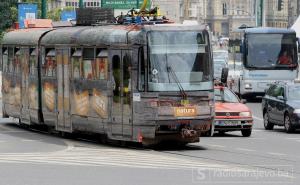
[
  {"x": 243, "y": 101},
  {"x": 280, "y": 97}
]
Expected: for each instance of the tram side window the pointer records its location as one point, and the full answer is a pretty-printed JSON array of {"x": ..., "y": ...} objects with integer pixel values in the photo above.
[
  {"x": 101, "y": 64},
  {"x": 141, "y": 71},
  {"x": 10, "y": 60},
  {"x": 89, "y": 72},
  {"x": 76, "y": 63},
  {"x": 49, "y": 66},
  {"x": 17, "y": 61},
  {"x": 32, "y": 62},
  {"x": 5, "y": 59}
]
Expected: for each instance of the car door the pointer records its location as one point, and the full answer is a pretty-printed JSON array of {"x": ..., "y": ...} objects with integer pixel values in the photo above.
[
  {"x": 280, "y": 106},
  {"x": 271, "y": 107}
]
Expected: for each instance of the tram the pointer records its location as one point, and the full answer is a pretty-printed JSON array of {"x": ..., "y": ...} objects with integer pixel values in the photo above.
[{"x": 139, "y": 83}]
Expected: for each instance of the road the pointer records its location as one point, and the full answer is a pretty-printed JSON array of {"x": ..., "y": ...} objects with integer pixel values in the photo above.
[{"x": 35, "y": 158}]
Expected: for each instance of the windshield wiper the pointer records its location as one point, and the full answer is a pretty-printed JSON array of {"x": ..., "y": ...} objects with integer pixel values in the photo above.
[{"x": 182, "y": 91}]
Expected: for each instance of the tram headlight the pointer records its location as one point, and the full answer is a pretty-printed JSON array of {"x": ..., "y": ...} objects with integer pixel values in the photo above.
[{"x": 245, "y": 114}]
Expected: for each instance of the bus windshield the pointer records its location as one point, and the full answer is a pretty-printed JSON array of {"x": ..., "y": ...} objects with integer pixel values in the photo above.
[
  {"x": 271, "y": 51},
  {"x": 186, "y": 53}
]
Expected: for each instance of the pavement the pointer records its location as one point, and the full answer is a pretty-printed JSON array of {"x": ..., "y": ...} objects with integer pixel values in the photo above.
[{"x": 32, "y": 157}]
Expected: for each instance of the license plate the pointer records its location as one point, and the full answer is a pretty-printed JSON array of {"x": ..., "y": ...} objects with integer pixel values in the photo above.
[
  {"x": 185, "y": 111},
  {"x": 228, "y": 123}
]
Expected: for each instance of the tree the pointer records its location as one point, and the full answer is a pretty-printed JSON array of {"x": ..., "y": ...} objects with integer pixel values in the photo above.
[
  {"x": 55, "y": 14},
  {"x": 7, "y": 14}
]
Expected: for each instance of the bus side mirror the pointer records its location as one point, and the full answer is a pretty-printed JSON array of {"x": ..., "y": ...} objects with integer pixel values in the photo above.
[{"x": 224, "y": 75}]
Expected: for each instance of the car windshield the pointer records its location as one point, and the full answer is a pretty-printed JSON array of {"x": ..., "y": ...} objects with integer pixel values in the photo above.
[
  {"x": 219, "y": 64},
  {"x": 236, "y": 66},
  {"x": 271, "y": 51},
  {"x": 294, "y": 93},
  {"x": 225, "y": 95},
  {"x": 220, "y": 54},
  {"x": 186, "y": 54}
]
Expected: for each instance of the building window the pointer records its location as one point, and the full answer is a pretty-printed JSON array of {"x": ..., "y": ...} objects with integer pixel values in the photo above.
[
  {"x": 193, "y": 10},
  {"x": 224, "y": 9}
]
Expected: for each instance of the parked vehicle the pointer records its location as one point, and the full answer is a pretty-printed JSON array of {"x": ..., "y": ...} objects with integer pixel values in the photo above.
[
  {"x": 281, "y": 106},
  {"x": 231, "y": 113}
]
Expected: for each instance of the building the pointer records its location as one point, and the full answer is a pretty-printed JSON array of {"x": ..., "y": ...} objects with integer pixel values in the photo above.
[{"x": 72, "y": 3}]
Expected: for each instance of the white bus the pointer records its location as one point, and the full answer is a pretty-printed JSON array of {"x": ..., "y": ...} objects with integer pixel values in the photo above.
[{"x": 266, "y": 55}]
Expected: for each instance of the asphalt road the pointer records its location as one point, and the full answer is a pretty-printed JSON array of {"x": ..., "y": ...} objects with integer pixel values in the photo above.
[{"x": 31, "y": 157}]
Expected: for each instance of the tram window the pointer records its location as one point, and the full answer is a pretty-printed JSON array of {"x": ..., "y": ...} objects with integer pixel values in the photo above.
[
  {"x": 127, "y": 78},
  {"x": 101, "y": 64},
  {"x": 116, "y": 79},
  {"x": 10, "y": 60},
  {"x": 50, "y": 63},
  {"x": 88, "y": 63},
  {"x": 32, "y": 61},
  {"x": 141, "y": 70},
  {"x": 76, "y": 63},
  {"x": 17, "y": 61},
  {"x": 4, "y": 59}
]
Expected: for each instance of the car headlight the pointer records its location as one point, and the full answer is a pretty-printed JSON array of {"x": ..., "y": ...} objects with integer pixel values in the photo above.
[
  {"x": 297, "y": 111},
  {"x": 245, "y": 114},
  {"x": 248, "y": 86}
]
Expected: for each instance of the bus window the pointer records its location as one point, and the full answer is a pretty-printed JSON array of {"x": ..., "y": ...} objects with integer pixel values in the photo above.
[
  {"x": 50, "y": 63},
  {"x": 88, "y": 58},
  {"x": 101, "y": 64},
  {"x": 32, "y": 62},
  {"x": 76, "y": 63},
  {"x": 4, "y": 59}
]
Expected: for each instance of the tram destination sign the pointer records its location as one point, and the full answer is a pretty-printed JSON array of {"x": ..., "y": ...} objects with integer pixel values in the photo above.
[{"x": 123, "y": 4}]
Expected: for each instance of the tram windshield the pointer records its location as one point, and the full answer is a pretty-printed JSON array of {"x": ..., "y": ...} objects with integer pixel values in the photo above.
[
  {"x": 186, "y": 53},
  {"x": 269, "y": 51}
]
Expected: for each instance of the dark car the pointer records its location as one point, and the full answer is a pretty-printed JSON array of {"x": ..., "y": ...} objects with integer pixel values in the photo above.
[{"x": 281, "y": 106}]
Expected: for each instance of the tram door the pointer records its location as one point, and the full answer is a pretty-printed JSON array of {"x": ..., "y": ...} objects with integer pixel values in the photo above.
[
  {"x": 121, "y": 101},
  {"x": 25, "y": 114},
  {"x": 63, "y": 90}
]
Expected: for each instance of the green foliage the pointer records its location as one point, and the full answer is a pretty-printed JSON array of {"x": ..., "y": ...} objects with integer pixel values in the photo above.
[
  {"x": 55, "y": 14},
  {"x": 7, "y": 15}
]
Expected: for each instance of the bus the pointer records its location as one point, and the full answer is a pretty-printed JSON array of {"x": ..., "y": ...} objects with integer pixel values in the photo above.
[
  {"x": 260, "y": 52},
  {"x": 137, "y": 83}
]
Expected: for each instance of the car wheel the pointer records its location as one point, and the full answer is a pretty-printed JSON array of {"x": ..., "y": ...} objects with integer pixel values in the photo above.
[
  {"x": 287, "y": 124},
  {"x": 221, "y": 133},
  {"x": 268, "y": 125},
  {"x": 246, "y": 132}
]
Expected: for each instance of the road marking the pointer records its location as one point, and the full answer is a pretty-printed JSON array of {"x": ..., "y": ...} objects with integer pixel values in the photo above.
[
  {"x": 82, "y": 156},
  {"x": 257, "y": 118},
  {"x": 219, "y": 146},
  {"x": 30, "y": 140},
  {"x": 277, "y": 154},
  {"x": 292, "y": 138},
  {"x": 245, "y": 149},
  {"x": 222, "y": 138}
]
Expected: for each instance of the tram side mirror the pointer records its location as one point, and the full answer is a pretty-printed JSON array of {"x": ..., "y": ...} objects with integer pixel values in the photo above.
[
  {"x": 280, "y": 97},
  {"x": 243, "y": 101},
  {"x": 224, "y": 75}
]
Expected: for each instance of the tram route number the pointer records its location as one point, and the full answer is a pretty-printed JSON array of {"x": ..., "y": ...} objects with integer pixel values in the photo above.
[{"x": 185, "y": 111}]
